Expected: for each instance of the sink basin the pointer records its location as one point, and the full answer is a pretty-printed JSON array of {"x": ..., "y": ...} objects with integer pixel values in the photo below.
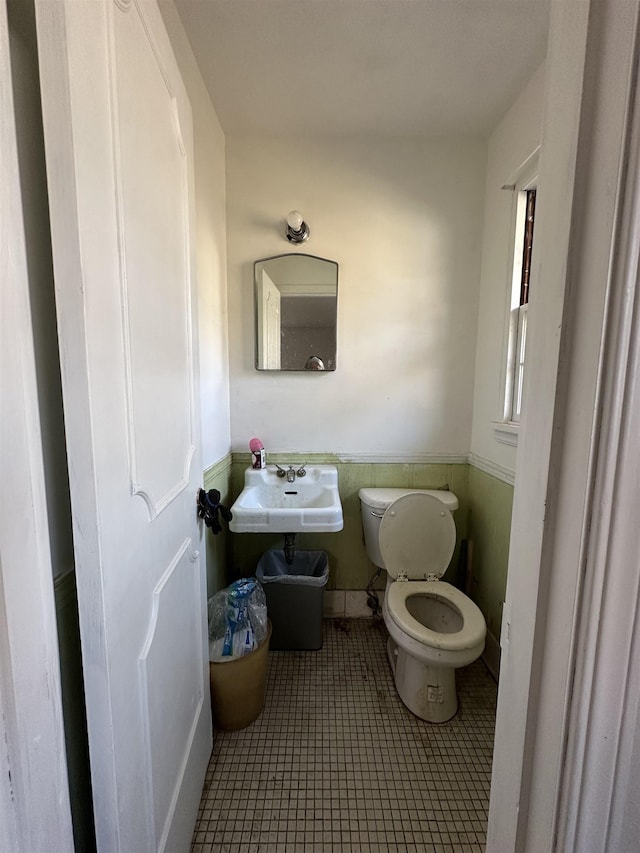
[{"x": 270, "y": 504}]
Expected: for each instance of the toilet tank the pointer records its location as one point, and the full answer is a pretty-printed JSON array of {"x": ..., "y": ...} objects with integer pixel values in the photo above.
[{"x": 374, "y": 502}]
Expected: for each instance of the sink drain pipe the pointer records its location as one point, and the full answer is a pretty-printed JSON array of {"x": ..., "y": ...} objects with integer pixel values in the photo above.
[{"x": 289, "y": 547}]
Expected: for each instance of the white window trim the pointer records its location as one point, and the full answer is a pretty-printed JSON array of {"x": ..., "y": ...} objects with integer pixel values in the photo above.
[
  {"x": 506, "y": 433},
  {"x": 505, "y": 427}
]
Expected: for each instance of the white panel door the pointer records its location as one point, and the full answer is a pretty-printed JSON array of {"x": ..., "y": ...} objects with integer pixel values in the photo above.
[
  {"x": 120, "y": 169},
  {"x": 269, "y": 324}
]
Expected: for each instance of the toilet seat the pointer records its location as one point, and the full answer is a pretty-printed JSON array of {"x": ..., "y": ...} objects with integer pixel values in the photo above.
[
  {"x": 417, "y": 537},
  {"x": 473, "y": 629}
]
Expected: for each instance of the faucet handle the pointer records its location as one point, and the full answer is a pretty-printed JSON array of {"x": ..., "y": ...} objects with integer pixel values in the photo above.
[
  {"x": 301, "y": 472},
  {"x": 280, "y": 472}
]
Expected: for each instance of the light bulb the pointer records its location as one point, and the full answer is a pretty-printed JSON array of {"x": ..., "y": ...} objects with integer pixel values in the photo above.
[{"x": 295, "y": 220}]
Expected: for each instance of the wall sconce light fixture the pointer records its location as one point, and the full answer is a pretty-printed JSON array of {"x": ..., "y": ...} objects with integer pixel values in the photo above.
[{"x": 297, "y": 228}]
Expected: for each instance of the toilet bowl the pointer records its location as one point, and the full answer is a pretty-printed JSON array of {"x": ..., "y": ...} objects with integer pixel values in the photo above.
[{"x": 433, "y": 627}]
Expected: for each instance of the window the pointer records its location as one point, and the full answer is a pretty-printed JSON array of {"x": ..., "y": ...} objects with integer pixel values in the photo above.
[
  {"x": 525, "y": 216},
  {"x": 523, "y": 221}
]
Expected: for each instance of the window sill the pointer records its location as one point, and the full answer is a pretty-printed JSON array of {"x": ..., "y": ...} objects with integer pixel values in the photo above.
[{"x": 506, "y": 433}]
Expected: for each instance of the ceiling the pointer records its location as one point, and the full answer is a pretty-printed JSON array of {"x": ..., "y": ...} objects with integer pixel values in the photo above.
[{"x": 379, "y": 67}]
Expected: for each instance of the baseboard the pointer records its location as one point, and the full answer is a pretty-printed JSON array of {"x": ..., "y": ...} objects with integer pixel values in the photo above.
[{"x": 347, "y": 603}]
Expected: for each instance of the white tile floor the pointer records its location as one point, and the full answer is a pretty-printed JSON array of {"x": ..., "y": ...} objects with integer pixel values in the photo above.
[{"x": 337, "y": 763}]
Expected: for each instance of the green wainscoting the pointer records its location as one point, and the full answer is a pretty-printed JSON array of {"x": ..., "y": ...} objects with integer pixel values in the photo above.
[
  {"x": 218, "y": 548},
  {"x": 489, "y": 528},
  {"x": 349, "y": 566}
]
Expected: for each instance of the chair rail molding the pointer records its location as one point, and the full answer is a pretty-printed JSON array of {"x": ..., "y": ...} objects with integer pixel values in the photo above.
[{"x": 494, "y": 469}]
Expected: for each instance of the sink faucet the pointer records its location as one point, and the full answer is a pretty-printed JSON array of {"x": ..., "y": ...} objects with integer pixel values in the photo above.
[{"x": 291, "y": 473}]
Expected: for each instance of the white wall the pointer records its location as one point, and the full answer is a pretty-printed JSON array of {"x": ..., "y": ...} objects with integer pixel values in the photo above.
[
  {"x": 403, "y": 218},
  {"x": 512, "y": 142},
  {"x": 209, "y": 150}
]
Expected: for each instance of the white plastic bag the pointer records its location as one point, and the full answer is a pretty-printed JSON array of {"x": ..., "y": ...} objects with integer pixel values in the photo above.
[{"x": 237, "y": 620}]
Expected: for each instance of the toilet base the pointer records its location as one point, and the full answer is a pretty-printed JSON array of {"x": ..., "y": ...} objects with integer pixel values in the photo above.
[{"x": 429, "y": 692}]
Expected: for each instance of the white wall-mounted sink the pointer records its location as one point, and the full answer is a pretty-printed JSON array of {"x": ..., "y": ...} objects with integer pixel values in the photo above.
[{"x": 271, "y": 504}]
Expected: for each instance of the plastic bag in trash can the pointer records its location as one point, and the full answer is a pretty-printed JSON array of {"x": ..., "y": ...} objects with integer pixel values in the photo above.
[
  {"x": 309, "y": 568},
  {"x": 237, "y": 620}
]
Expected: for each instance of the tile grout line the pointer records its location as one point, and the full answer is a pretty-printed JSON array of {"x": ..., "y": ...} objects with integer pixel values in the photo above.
[{"x": 336, "y": 762}]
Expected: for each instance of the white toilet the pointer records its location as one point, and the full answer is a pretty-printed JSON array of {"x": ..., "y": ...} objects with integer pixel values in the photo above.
[{"x": 433, "y": 627}]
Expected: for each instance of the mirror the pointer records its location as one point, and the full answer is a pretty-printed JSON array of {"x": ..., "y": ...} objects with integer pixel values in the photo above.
[{"x": 296, "y": 299}]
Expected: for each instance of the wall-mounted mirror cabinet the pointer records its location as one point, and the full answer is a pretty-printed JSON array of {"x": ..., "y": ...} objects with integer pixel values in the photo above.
[{"x": 296, "y": 298}]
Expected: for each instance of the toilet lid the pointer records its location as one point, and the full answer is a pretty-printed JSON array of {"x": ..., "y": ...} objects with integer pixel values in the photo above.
[{"x": 417, "y": 536}]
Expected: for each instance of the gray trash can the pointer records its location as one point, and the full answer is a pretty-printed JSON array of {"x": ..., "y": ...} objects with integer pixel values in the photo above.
[{"x": 294, "y": 597}]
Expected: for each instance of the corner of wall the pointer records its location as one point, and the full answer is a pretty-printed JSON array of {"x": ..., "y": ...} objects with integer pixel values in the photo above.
[
  {"x": 512, "y": 142},
  {"x": 218, "y": 547},
  {"x": 489, "y": 529},
  {"x": 211, "y": 245}
]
